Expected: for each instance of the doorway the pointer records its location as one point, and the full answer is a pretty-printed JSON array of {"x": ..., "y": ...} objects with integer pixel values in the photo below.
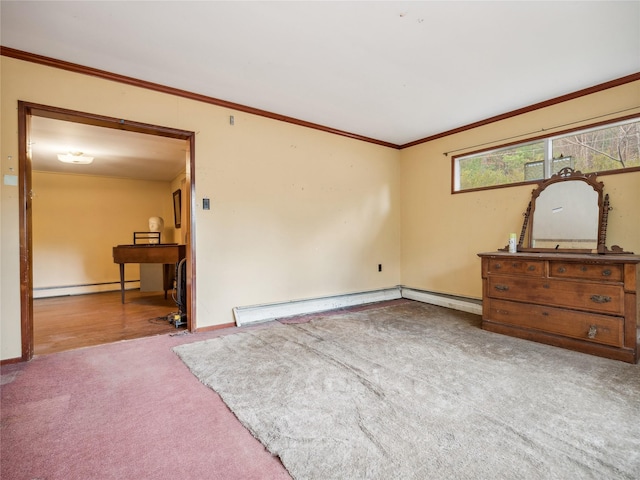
[{"x": 33, "y": 113}]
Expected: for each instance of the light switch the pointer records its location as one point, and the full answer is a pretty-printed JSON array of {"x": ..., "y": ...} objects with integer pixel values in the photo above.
[
  {"x": 11, "y": 180},
  {"x": 205, "y": 204}
]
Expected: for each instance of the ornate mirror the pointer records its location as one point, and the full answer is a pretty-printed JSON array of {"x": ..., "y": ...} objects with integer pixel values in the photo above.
[{"x": 567, "y": 213}]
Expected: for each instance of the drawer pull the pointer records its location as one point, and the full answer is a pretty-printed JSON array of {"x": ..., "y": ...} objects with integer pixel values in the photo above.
[
  {"x": 498, "y": 266},
  {"x": 600, "y": 298},
  {"x": 531, "y": 268},
  {"x": 562, "y": 270},
  {"x": 502, "y": 288},
  {"x": 606, "y": 272},
  {"x": 593, "y": 330},
  {"x": 583, "y": 268}
]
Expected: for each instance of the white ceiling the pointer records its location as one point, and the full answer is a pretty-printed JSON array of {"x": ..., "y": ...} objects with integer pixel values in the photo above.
[
  {"x": 117, "y": 153},
  {"x": 392, "y": 71}
]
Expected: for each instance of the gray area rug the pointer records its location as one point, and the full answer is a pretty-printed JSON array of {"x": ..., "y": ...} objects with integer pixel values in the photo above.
[{"x": 415, "y": 391}]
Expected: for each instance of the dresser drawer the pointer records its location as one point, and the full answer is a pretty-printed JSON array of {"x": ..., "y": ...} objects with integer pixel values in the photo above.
[
  {"x": 497, "y": 266},
  {"x": 602, "y": 273},
  {"x": 593, "y": 297},
  {"x": 584, "y": 326}
]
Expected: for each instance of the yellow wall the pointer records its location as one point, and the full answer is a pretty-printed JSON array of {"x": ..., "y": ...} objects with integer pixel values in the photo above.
[
  {"x": 298, "y": 213},
  {"x": 179, "y": 233},
  {"x": 442, "y": 232},
  {"x": 295, "y": 213},
  {"x": 77, "y": 219}
]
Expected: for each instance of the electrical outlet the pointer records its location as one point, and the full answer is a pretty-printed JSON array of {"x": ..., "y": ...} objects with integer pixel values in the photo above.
[
  {"x": 206, "y": 204},
  {"x": 379, "y": 267}
]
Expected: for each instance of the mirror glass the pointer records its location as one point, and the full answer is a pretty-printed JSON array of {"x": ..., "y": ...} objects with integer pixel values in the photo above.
[
  {"x": 567, "y": 213},
  {"x": 566, "y": 216}
]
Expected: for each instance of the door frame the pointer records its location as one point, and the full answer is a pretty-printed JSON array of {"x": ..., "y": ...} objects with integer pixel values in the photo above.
[{"x": 26, "y": 110}]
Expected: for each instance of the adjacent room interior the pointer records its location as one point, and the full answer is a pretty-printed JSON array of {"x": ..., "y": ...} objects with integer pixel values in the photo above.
[{"x": 135, "y": 180}]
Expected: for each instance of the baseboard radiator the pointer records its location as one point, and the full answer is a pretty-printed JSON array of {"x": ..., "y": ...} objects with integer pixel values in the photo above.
[
  {"x": 263, "y": 313},
  {"x": 464, "y": 304},
  {"x": 66, "y": 290}
]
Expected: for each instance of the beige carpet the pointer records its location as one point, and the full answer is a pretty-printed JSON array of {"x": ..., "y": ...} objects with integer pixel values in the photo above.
[{"x": 414, "y": 391}]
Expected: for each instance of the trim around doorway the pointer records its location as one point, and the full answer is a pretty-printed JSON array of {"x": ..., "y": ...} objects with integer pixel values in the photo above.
[{"x": 26, "y": 110}]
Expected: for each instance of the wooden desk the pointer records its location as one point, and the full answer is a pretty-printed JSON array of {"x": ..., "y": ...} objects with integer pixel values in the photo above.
[{"x": 168, "y": 254}]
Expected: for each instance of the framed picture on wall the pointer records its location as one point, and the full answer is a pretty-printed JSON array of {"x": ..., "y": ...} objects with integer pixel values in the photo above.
[{"x": 177, "y": 207}]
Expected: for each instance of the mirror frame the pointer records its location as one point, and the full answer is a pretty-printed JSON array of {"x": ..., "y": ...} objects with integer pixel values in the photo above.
[{"x": 568, "y": 174}]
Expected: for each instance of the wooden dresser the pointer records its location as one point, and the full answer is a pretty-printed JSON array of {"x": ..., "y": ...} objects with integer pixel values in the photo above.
[{"x": 583, "y": 302}]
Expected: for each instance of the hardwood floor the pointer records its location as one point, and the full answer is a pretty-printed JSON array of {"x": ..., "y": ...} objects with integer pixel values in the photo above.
[{"x": 65, "y": 323}]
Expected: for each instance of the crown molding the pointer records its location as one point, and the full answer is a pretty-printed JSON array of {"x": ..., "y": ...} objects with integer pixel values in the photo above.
[
  {"x": 94, "y": 72},
  {"x": 536, "y": 106},
  {"x": 74, "y": 67}
]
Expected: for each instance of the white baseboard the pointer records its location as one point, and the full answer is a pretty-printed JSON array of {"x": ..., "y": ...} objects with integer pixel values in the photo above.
[
  {"x": 456, "y": 303},
  {"x": 263, "y": 313}
]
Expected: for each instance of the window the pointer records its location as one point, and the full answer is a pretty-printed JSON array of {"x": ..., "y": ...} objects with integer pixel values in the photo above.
[{"x": 615, "y": 146}]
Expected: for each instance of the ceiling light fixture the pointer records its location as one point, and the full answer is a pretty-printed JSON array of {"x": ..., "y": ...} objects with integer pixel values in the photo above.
[{"x": 77, "y": 158}]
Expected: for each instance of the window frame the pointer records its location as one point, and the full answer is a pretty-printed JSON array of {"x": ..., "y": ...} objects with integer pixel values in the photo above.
[{"x": 548, "y": 139}]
